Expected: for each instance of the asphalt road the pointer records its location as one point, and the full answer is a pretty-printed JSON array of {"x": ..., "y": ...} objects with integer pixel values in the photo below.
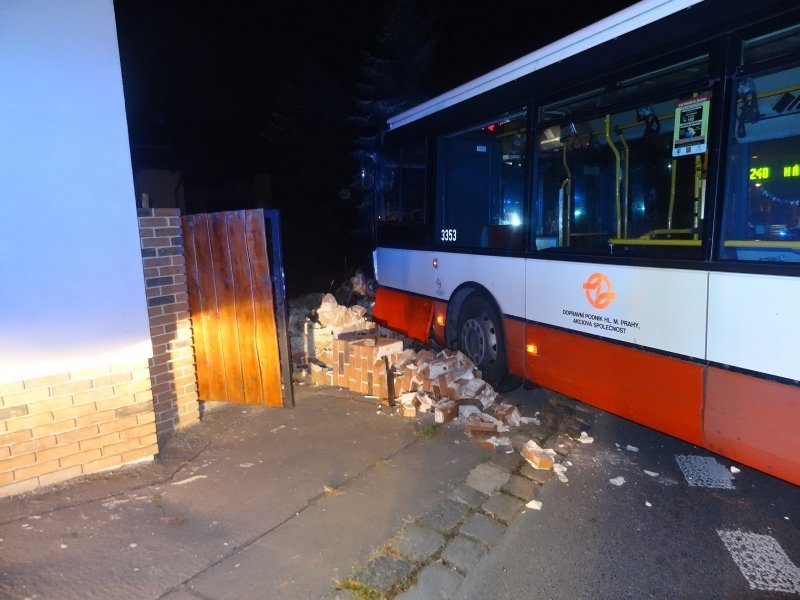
[{"x": 666, "y": 531}]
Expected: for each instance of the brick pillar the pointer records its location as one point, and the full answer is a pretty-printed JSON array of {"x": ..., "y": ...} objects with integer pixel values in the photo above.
[{"x": 172, "y": 368}]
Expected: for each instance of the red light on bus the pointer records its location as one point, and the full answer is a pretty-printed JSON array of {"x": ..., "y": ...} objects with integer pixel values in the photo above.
[
  {"x": 532, "y": 349},
  {"x": 440, "y": 320}
]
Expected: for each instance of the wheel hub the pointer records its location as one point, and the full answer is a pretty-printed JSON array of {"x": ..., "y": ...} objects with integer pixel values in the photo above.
[{"x": 479, "y": 341}]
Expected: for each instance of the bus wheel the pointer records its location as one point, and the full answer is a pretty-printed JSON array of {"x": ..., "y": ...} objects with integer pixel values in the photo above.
[{"x": 480, "y": 338}]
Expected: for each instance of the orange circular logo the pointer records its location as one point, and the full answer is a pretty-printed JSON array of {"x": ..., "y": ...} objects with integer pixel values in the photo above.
[{"x": 598, "y": 290}]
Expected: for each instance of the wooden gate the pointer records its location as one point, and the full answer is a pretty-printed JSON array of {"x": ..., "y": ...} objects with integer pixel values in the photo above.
[{"x": 232, "y": 308}]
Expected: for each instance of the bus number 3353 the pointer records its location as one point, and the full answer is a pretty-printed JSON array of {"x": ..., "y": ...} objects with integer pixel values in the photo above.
[{"x": 448, "y": 235}]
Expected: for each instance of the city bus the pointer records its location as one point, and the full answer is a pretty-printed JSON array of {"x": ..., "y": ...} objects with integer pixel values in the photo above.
[{"x": 616, "y": 217}]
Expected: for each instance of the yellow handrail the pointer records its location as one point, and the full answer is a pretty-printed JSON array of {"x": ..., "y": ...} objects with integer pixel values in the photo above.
[
  {"x": 673, "y": 168},
  {"x": 626, "y": 181},
  {"x": 564, "y": 210},
  {"x": 617, "y": 172}
]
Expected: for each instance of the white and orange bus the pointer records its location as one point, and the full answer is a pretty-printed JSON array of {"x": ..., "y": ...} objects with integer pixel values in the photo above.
[{"x": 616, "y": 217}]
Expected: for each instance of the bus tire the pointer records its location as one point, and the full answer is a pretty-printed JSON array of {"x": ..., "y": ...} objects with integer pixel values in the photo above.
[{"x": 480, "y": 338}]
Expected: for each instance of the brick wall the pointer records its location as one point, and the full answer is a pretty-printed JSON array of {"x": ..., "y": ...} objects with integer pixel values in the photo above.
[
  {"x": 61, "y": 426},
  {"x": 172, "y": 368}
]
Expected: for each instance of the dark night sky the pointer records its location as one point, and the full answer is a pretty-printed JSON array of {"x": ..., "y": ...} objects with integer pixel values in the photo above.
[
  {"x": 202, "y": 80},
  {"x": 221, "y": 60}
]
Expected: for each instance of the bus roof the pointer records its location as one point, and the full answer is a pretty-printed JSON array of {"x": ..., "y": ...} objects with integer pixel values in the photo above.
[{"x": 628, "y": 19}]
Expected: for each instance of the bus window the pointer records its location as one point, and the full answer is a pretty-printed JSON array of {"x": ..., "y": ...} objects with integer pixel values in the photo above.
[
  {"x": 761, "y": 214},
  {"x": 481, "y": 185},
  {"x": 401, "y": 185},
  {"x": 624, "y": 181}
]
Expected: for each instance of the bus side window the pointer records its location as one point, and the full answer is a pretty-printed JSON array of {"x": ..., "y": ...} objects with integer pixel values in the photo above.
[
  {"x": 480, "y": 185},
  {"x": 612, "y": 182},
  {"x": 761, "y": 212},
  {"x": 401, "y": 185},
  {"x": 629, "y": 179}
]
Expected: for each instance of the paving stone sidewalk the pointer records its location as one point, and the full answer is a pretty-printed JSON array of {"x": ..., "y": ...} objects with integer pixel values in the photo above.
[{"x": 430, "y": 556}]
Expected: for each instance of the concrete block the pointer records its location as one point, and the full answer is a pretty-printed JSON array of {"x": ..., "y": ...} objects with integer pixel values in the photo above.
[
  {"x": 483, "y": 529},
  {"x": 463, "y": 553},
  {"x": 519, "y": 487},
  {"x": 508, "y": 461},
  {"x": 435, "y": 581},
  {"x": 417, "y": 544},
  {"x": 468, "y": 495},
  {"x": 383, "y": 573},
  {"x": 444, "y": 516},
  {"x": 487, "y": 479},
  {"x": 503, "y": 507},
  {"x": 540, "y": 476}
]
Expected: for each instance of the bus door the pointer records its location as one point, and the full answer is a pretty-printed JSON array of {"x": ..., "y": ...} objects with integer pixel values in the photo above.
[{"x": 468, "y": 182}]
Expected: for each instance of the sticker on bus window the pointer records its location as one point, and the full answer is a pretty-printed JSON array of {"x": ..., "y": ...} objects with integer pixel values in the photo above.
[{"x": 691, "y": 126}]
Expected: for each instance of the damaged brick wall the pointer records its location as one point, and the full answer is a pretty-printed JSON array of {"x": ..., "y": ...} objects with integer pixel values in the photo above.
[
  {"x": 172, "y": 368},
  {"x": 61, "y": 426}
]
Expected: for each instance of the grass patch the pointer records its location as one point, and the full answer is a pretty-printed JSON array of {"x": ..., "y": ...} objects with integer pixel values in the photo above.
[
  {"x": 359, "y": 589},
  {"x": 331, "y": 491},
  {"x": 430, "y": 430}
]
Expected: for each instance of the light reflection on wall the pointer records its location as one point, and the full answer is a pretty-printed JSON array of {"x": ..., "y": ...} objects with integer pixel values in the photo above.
[{"x": 72, "y": 285}]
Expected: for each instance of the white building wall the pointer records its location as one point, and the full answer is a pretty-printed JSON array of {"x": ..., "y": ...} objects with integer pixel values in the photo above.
[{"x": 71, "y": 282}]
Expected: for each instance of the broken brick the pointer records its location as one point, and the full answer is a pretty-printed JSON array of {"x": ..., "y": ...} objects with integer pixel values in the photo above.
[
  {"x": 442, "y": 366},
  {"x": 409, "y": 411},
  {"x": 479, "y": 427},
  {"x": 424, "y": 402},
  {"x": 445, "y": 412},
  {"x": 508, "y": 414},
  {"x": 472, "y": 389},
  {"x": 484, "y": 441},
  {"x": 536, "y": 455}
]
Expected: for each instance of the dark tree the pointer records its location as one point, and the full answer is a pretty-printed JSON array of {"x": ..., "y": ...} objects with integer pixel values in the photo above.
[
  {"x": 312, "y": 164},
  {"x": 391, "y": 80}
]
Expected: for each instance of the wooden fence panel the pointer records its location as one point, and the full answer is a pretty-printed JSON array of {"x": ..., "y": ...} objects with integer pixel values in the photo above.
[{"x": 230, "y": 299}]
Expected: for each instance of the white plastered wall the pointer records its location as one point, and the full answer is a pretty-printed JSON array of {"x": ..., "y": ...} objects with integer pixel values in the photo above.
[{"x": 71, "y": 283}]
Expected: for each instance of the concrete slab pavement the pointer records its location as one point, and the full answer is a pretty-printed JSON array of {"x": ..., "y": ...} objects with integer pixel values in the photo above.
[{"x": 249, "y": 503}]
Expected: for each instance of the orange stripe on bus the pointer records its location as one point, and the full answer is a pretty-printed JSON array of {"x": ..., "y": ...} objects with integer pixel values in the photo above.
[
  {"x": 660, "y": 392},
  {"x": 408, "y": 314},
  {"x": 515, "y": 346},
  {"x": 439, "y": 321},
  {"x": 754, "y": 421}
]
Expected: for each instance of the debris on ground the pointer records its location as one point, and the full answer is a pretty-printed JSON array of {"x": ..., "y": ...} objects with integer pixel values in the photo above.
[
  {"x": 618, "y": 481},
  {"x": 336, "y": 345},
  {"x": 536, "y": 455}
]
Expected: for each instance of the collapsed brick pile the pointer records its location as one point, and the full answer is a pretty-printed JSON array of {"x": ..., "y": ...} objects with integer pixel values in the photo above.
[
  {"x": 339, "y": 346},
  {"x": 342, "y": 348}
]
